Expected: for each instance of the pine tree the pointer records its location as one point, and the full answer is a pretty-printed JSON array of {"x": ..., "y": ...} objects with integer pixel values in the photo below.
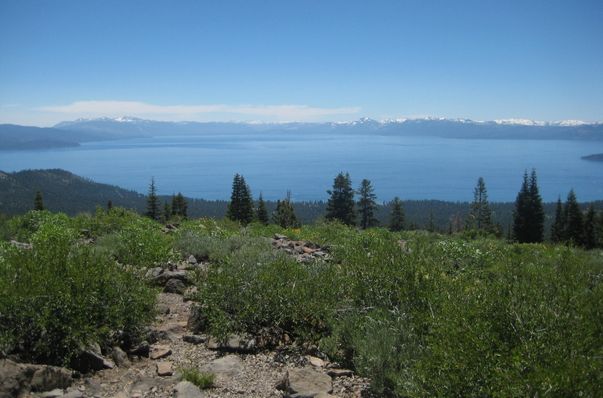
[
  {"x": 284, "y": 215},
  {"x": 109, "y": 205},
  {"x": 262, "y": 212},
  {"x": 528, "y": 216},
  {"x": 179, "y": 206},
  {"x": 558, "y": 227},
  {"x": 536, "y": 211},
  {"x": 520, "y": 214},
  {"x": 590, "y": 228},
  {"x": 367, "y": 205},
  {"x": 396, "y": 222},
  {"x": 38, "y": 201},
  {"x": 167, "y": 212},
  {"x": 480, "y": 217},
  {"x": 574, "y": 224},
  {"x": 152, "y": 202},
  {"x": 341, "y": 202},
  {"x": 240, "y": 207}
]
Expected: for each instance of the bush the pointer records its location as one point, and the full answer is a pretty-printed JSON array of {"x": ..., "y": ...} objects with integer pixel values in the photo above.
[
  {"x": 60, "y": 296},
  {"x": 202, "y": 380}
]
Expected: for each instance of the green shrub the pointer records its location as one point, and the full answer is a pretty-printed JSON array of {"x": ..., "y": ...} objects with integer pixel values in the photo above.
[
  {"x": 202, "y": 380},
  {"x": 60, "y": 296}
]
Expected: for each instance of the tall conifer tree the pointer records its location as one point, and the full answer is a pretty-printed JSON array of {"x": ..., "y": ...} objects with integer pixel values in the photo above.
[
  {"x": 590, "y": 228},
  {"x": 396, "y": 222},
  {"x": 367, "y": 205},
  {"x": 536, "y": 214},
  {"x": 480, "y": 217},
  {"x": 528, "y": 216},
  {"x": 38, "y": 201},
  {"x": 574, "y": 226},
  {"x": 240, "y": 207},
  {"x": 152, "y": 201},
  {"x": 558, "y": 227},
  {"x": 262, "y": 212},
  {"x": 341, "y": 202}
]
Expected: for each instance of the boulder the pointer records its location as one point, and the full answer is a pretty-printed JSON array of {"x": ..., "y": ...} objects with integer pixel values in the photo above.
[
  {"x": 141, "y": 350},
  {"x": 305, "y": 383},
  {"x": 17, "y": 378},
  {"x": 226, "y": 367},
  {"x": 120, "y": 357},
  {"x": 174, "y": 286},
  {"x": 89, "y": 360},
  {"x": 165, "y": 276},
  {"x": 164, "y": 368},
  {"x": 197, "y": 320},
  {"x": 186, "y": 389},
  {"x": 191, "y": 259},
  {"x": 193, "y": 339},
  {"x": 234, "y": 343},
  {"x": 160, "y": 351},
  {"x": 340, "y": 373}
]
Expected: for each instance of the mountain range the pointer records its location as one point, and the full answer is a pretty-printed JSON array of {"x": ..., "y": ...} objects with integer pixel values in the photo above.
[{"x": 72, "y": 133}]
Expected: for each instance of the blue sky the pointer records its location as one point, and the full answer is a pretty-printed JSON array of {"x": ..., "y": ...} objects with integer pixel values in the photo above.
[{"x": 300, "y": 60}]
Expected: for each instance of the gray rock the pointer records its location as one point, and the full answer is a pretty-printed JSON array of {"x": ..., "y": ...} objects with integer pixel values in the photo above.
[
  {"x": 89, "y": 360},
  {"x": 17, "y": 379},
  {"x": 154, "y": 272},
  {"x": 186, "y": 389},
  {"x": 193, "y": 339},
  {"x": 120, "y": 357},
  {"x": 165, "y": 276},
  {"x": 191, "y": 259},
  {"x": 57, "y": 392},
  {"x": 141, "y": 350},
  {"x": 174, "y": 286},
  {"x": 305, "y": 383},
  {"x": 340, "y": 373},
  {"x": 197, "y": 320},
  {"x": 160, "y": 351},
  {"x": 234, "y": 343},
  {"x": 226, "y": 367}
]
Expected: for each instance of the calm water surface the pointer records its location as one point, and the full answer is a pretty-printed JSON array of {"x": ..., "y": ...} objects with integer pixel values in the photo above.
[{"x": 409, "y": 167}]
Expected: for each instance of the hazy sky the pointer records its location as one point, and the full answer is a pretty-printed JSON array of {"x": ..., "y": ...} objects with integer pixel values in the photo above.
[{"x": 300, "y": 60}]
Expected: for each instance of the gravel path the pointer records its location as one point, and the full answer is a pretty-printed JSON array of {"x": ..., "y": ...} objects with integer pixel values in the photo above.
[{"x": 237, "y": 375}]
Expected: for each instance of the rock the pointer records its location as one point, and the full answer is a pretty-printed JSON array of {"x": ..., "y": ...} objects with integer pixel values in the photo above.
[
  {"x": 234, "y": 343},
  {"x": 186, "y": 389},
  {"x": 174, "y": 286},
  {"x": 305, "y": 382},
  {"x": 165, "y": 276},
  {"x": 340, "y": 373},
  {"x": 193, "y": 339},
  {"x": 164, "y": 368},
  {"x": 49, "y": 377},
  {"x": 280, "y": 237},
  {"x": 57, "y": 392},
  {"x": 226, "y": 367},
  {"x": 141, "y": 350},
  {"x": 316, "y": 362},
  {"x": 154, "y": 272},
  {"x": 197, "y": 320},
  {"x": 88, "y": 360},
  {"x": 120, "y": 357},
  {"x": 163, "y": 309},
  {"x": 155, "y": 335},
  {"x": 73, "y": 394},
  {"x": 18, "y": 378},
  {"x": 160, "y": 351},
  {"x": 191, "y": 259}
]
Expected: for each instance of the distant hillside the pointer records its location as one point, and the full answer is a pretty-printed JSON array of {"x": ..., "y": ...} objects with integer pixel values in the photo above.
[
  {"x": 597, "y": 157},
  {"x": 438, "y": 127}
]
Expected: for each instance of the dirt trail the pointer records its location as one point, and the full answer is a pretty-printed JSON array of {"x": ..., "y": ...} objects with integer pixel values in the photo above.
[{"x": 237, "y": 375}]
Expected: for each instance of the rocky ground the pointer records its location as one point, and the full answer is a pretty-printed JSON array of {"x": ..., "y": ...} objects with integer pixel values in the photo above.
[{"x": 155, "y": 371}]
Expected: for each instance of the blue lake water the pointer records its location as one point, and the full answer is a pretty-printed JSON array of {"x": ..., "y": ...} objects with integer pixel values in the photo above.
[{"x": 408, "y": 167}]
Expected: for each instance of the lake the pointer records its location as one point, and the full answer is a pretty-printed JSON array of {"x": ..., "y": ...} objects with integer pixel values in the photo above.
[{"x": 408, "y": 167}]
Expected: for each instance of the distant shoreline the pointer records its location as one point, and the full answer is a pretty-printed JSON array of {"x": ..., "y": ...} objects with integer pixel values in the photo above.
[{"x": 596, "y": 157}]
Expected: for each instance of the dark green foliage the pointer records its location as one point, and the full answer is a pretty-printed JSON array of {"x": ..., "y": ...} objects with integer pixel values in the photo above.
[
  {"x": 167, "y": 212},
  {"x": 179, "y": 206},
  {"x": 262, "y": 212},
  {"x": 396, "y": 222},
  {"x": 38, "y": 201},
  {"x": 367, "y": 205},
  {"x": 558, "y": 227},
  {"x": 240, "y": 207},
  {"x": 61, "y": 295},
  {"x": 574, "y": 225},
  {"x": 109, "y": 205},
  {"x": 590, "y": 228},
  {"x": 284, "y": 215},
  {"x": 528, "y": 217},
  {"x": 202, "y": 380},
  {"x": 152, "y": 202},
  {"x": 340, "y": 205},
  {"x": 480, "y": 217},
  {"x": 441, "y": 317}
]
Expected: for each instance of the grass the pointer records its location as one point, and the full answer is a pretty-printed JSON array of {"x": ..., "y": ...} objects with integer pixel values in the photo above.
[{"x": 203, "y": 380}]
